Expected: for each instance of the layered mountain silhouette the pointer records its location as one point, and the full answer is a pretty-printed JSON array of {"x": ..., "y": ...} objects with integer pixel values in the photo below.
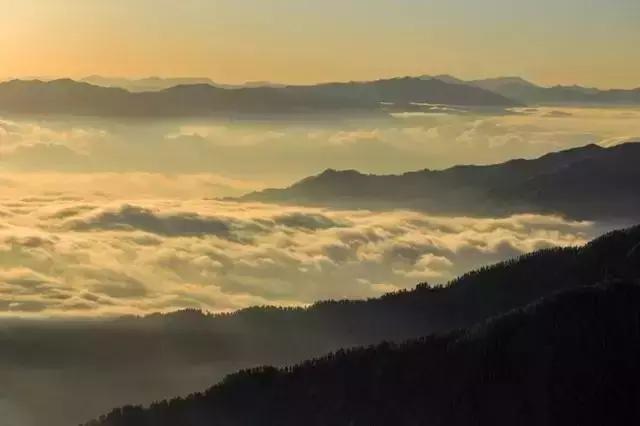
[
  {"x": 570, "y": 358},
  {"x": 149, "y": 84},
  {"x": 526, "y": 92},
  {"x": 590, "y": 182},
  {"x": 462, "y": 302},
  {"x": 142, "y": 359},
  {"x": 155, "y": 96},
  {"x": 80, "y": 98}
]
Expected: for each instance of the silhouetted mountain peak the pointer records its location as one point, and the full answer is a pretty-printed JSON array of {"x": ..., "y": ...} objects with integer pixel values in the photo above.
[
  {"x": 449, "y": 79},
  {"x": 331, "y": 173},
  {"x": 589, "y": 182}
]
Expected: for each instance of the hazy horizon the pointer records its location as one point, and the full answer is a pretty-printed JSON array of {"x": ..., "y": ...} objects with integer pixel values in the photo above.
[
  {"x": 229, "y": 41},
  {"x": 114, "y": 217},
  {"x": 238, "y": 83}
]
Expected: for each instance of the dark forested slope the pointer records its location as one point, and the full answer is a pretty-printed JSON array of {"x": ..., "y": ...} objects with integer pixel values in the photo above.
[
  {"x": 570, "y": 359},
  {"x": 591, "y": 182},
  {"x": 103, "y": 364},
  {"x": 283, "y": 335}
]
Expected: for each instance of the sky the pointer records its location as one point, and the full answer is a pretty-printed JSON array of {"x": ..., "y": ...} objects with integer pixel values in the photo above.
[{"x": 589, "y": 42}]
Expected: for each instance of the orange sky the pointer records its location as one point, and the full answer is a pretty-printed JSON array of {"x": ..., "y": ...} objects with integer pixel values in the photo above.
[{"x": 590, "y": 42}]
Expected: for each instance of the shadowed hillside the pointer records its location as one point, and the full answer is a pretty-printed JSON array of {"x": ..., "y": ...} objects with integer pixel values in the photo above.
[
  {"x": 571, "y": 358},
  {"x": 584, "y": 183},
  {"x": 138, "y": 360}
]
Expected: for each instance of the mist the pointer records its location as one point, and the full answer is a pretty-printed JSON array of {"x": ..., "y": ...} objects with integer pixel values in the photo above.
[
  {"x": 108, "y": 218},
  {"x": 272, "y": 153}
]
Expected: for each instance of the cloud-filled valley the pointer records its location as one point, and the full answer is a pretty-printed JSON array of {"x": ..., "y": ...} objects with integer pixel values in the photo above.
[
  {"x": 105, "y": 218},
  {"x": 85, "y": 257}
]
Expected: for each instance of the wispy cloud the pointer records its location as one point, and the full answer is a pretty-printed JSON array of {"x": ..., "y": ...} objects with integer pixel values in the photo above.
[{"x": 272, "y": 152}]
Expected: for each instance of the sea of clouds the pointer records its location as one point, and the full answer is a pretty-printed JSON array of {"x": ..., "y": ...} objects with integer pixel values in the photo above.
[
  {"x": 103, "y": 217},
  {"x": 61, "y": 256},
  {"x": 275, "y": 153}
]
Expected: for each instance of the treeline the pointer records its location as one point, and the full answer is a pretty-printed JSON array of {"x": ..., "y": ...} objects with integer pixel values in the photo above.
[
  {"x": 571, "y": 359},
  {"x": 285, "y": 335},
  {"x": 136, "y": 360}
]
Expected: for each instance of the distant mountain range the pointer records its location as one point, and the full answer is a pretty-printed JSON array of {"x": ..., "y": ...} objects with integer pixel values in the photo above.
[
  {"x": 515, "y": 88},
  {"x": 526, "y": 92},
  {"x": 204, "y": 99},
  {"x": 152, "y": 84},
  {"x": 591, "y": 182},
  {"x": 569, "y": 357},
  {"x": 170, "y": 97},
  {"x": 167, "y": 97},
  {"x": 137, "y": 359}
]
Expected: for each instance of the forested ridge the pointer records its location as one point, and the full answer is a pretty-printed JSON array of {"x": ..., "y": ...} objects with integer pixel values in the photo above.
[{"x": 569, "y": 357}]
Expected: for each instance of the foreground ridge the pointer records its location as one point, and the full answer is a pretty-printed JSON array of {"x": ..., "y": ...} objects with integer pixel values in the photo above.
[
  {"x": 570, "y": 358},
  {"x": 446, "y": 378}
]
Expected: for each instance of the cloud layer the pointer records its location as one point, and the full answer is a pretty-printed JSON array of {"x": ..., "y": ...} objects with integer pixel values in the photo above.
[
  {"x": 68, "y": 256},
  {"x": 104, "y": 217},
  {"x": 274, "y": 153}
]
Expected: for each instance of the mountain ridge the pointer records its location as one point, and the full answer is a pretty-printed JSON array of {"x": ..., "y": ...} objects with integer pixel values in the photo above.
[
  {"x": 172, "y": 354},
  {"x": 66, "y": 96},
  {"x": 515, "y": 186},
  {"x": 533, "y": 365},
  {"x": 524, "y": 91}
]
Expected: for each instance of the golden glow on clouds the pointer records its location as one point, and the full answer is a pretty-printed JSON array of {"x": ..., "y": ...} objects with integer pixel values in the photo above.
[
  {"x": 77, "y": 256},
  {"x": 102, "y": 217}
]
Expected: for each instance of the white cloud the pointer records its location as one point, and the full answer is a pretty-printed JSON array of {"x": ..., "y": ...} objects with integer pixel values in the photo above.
[
  {"x": 108, "y": 217},
  {"x": 78, "y": 257}
]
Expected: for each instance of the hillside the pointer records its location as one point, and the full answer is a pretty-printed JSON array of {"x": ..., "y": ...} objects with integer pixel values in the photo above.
[
  {"x": 138, "y": 360},
  {"x": 571, "y": 358},
  {"x": 585, "y": 183}
]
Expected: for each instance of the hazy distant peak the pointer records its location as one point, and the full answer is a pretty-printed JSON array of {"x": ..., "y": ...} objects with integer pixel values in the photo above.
[
  {"x": 56, "y": 83},
  {"x": 508, "y": 79},
  {"x": 253, "y": 84},
  {"x": 447, "y": 79},
  {"x": 499, "y": 84},
  {"x": 335, "y": 172}
]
